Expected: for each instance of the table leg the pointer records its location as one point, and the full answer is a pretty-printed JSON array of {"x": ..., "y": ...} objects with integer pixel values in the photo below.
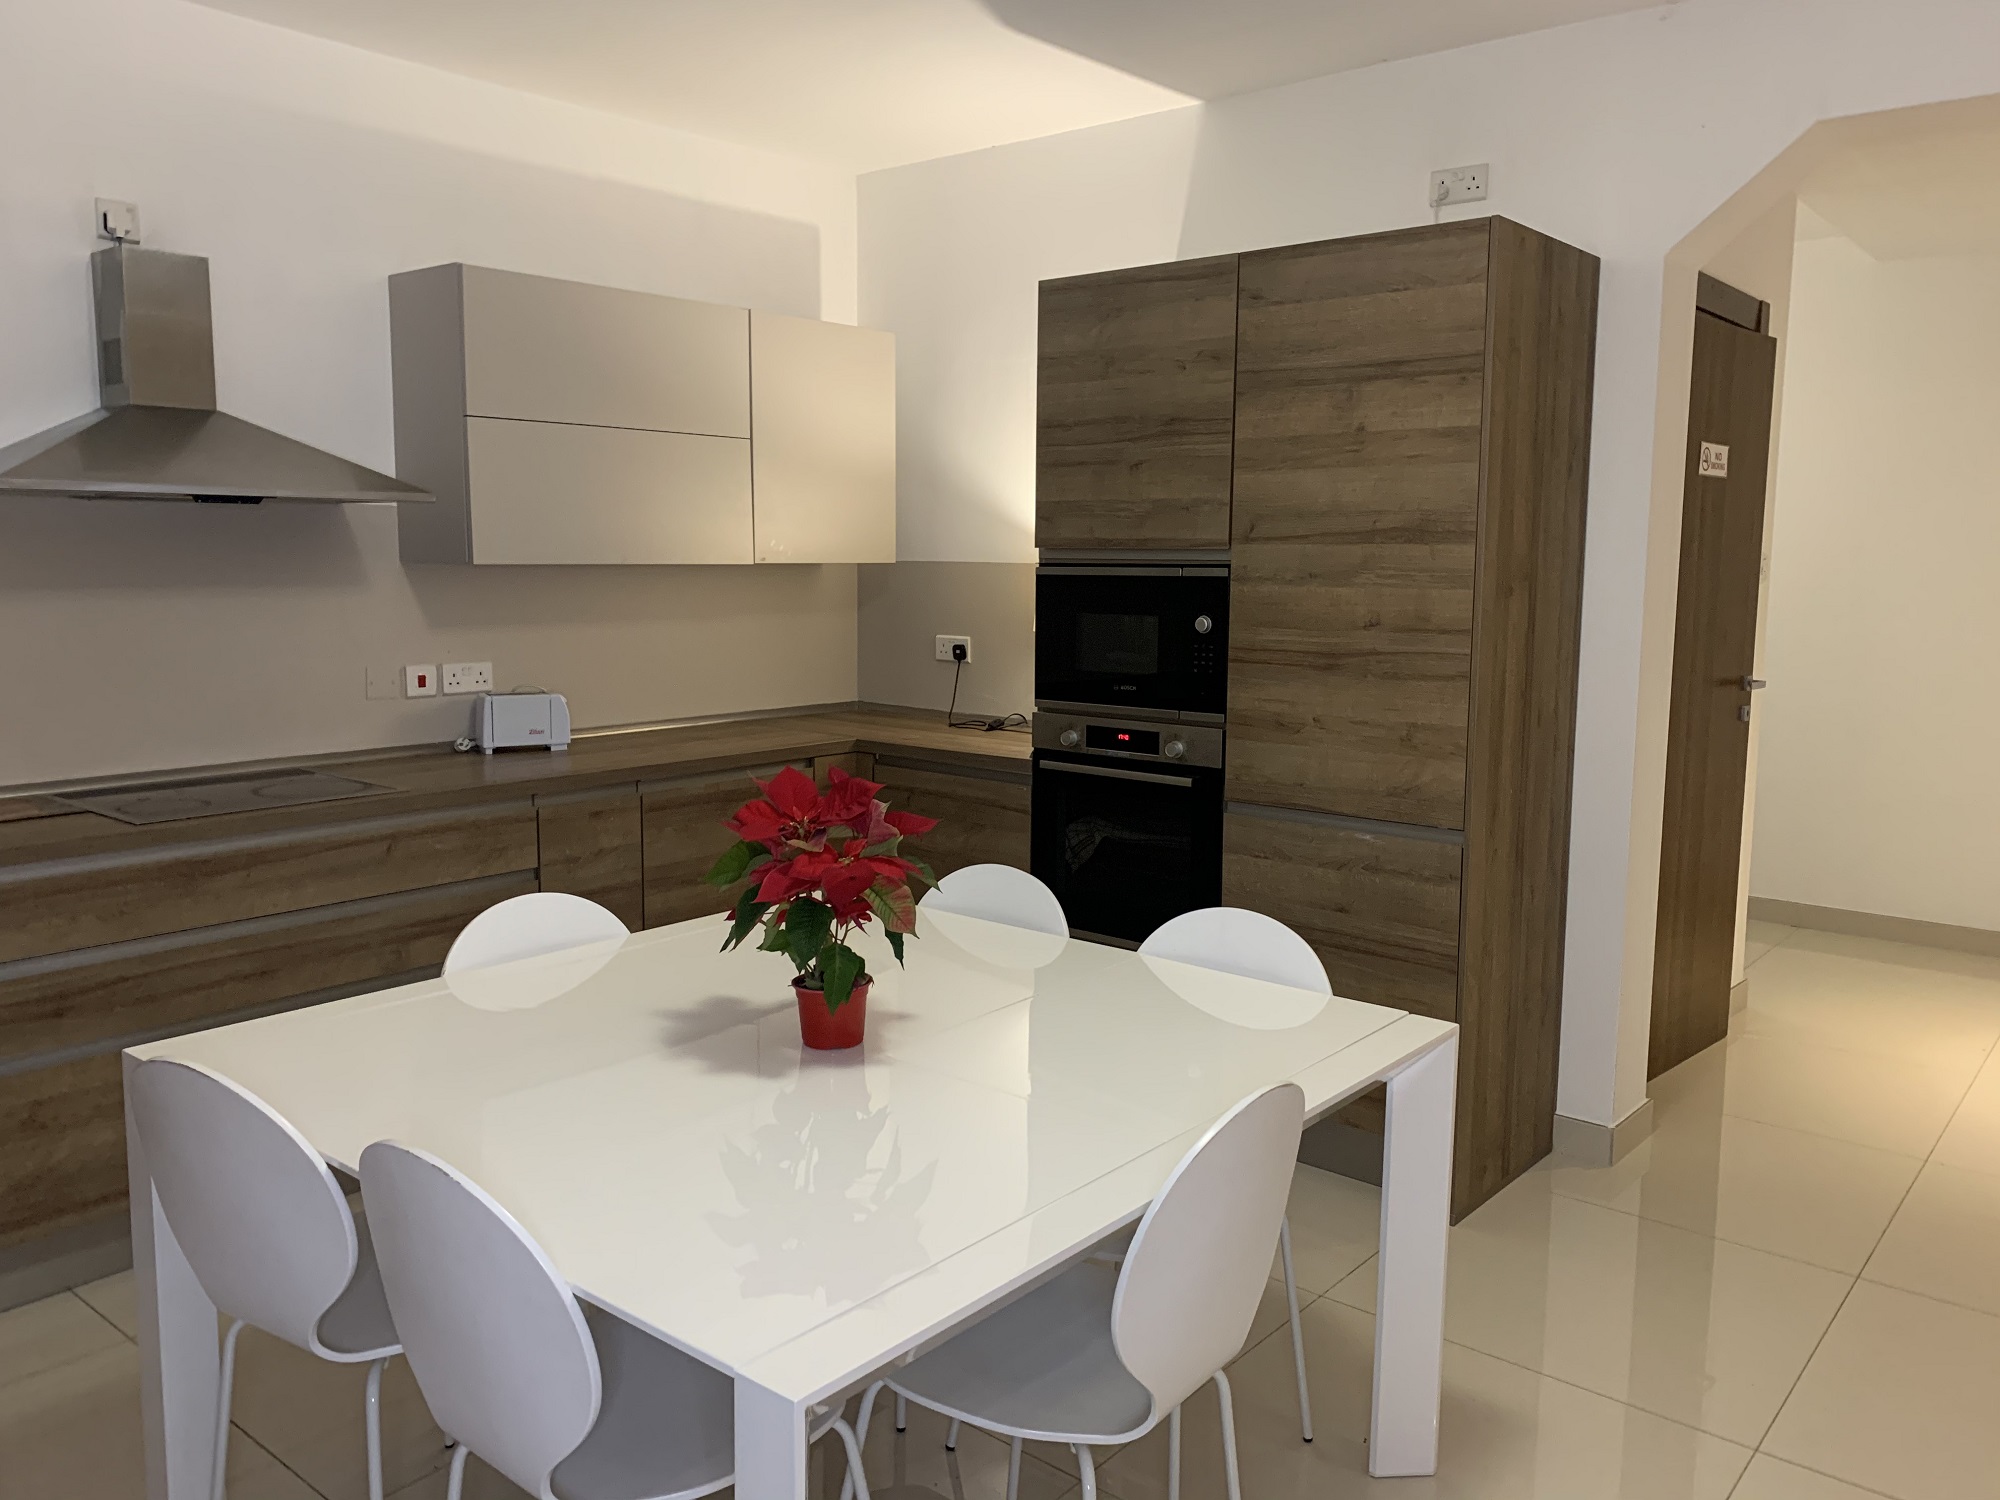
[
  {"x": 1409, "y": 1299},
  {"x": 770, "y": 1444},
  {"x": 180, "y": 1364}
]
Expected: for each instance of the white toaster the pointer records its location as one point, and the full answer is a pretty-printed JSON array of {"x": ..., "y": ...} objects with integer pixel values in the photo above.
[{"x": 503, "y": 721}]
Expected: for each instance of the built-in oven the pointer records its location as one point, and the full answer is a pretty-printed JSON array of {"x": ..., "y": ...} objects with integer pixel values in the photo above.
[
  {"x": 1127, "y": 820},
  {"x": 1151, "y": 638}
]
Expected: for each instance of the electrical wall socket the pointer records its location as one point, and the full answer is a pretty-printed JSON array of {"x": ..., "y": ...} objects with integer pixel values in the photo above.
[
  {"x": 946, "y": 642},
  {"x": 467, "y": 676},
  {"x": 1459, "y": 185},
  {"x": 420, "y": 682}
]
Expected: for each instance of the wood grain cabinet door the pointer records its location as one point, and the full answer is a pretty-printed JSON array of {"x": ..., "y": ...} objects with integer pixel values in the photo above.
[
  {"x": 684, "y": 835},
  {"x": 1380, "y": 910},
  {"x": 1135, "y": 393},
  {"x": 591, "y": 846},
  {"x": 982, "y": 818},
  {"x": 1359, "y": 390}
]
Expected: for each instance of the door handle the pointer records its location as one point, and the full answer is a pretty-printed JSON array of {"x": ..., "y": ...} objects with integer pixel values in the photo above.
[
  {"x": 1752, "y": 684},
  {"x": 1114, "y": 773}
]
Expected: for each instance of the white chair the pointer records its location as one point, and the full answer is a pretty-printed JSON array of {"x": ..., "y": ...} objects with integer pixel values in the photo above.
[
  {"x": 999, "y": 893},
  {"x": 267, "y": 1231},
  {"x": 528, "y": 926},
  {"x": 1249, "y": 943},
  {"x": 1099, "y": 1356},
  {"x": 569, "y": 1402}
]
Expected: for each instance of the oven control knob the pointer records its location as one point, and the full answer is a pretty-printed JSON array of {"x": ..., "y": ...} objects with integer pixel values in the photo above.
[
  {"x": 1070, "y": 739},
  {"x": 1203, "y": 624},
  {"x": 1173, "y": 749}
]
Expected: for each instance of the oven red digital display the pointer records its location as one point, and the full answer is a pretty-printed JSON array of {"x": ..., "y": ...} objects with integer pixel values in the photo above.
[{"x": 1132, "y": 741}]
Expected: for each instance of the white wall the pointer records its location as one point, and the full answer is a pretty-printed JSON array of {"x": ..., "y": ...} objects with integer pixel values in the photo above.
[
  {"x": 1876, "y": 787},
  {"x": 1621, "y": 135},
  {"x": 142, "y": 636}
]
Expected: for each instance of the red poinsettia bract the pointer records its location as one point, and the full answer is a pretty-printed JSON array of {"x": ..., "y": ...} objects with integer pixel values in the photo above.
[{"x": 817, "y": 865}]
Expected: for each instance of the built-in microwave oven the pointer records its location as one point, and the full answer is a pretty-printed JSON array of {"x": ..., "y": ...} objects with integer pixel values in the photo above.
[{"x": 1151, "y": 638}]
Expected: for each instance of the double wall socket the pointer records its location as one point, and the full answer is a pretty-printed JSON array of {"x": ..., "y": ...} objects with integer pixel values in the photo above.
[
  {"x": 946, "y": 642},
  {"x": 467, "y": 676},
  {"x": 1459, "y": 185}
]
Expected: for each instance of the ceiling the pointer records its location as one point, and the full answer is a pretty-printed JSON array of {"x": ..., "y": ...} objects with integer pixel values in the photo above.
[
  {"x": 865, "y": 84},
  {"x": 1213, "y": 48},
  {"x": 1915, "y": 193}
]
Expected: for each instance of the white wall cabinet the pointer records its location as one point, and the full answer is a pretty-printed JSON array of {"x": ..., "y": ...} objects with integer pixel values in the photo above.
[
  {"x": 557, "y": 422},
  {"x": 823, "y": 441}
]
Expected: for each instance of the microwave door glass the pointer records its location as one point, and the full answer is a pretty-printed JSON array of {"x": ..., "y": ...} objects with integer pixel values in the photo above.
[{"x": 1124, "y": 646}]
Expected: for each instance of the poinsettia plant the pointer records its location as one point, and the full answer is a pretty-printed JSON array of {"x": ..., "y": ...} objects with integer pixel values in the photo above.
[{"x": 820, "y": 865}]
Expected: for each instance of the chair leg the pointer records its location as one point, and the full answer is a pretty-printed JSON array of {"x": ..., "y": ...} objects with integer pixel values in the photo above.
[
  {"x": 1298, "y": 1333},
  {"x": 902, "y": 1413},
  {"x": 225, "y": 1388},
  {"x": 861, "y": 1437},
  {"x": 857, "y": 1476},
  {"x": 1014, "y": 1470},
  {"x": 455, "y": 1485},
  {"x": 1173, "y": 1455},
  {"x": 373, "y": 1413},
  {"x": 1229, "y": 1437},
  {"x": 1088, "y": 1466},
  {"x": 951, "y": 1436}
]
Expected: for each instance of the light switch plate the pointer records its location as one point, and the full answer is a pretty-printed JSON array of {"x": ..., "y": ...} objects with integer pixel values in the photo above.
[
  {"x": 384, "y": 683},
  {"x": 420, "y": 682},
  {"x": 467, "y": 676},
  {"x": 946, "y": 642}
]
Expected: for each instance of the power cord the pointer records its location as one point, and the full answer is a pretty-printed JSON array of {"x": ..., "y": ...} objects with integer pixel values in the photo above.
[{"x": 951, "y": 718}]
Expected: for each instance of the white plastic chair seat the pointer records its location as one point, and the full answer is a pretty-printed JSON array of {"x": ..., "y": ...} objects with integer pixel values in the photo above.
[
  {"x": 358, "y": 1326},
  {"x": 1043, "y": 1368},
  {"x": 667, "y": 1426}
]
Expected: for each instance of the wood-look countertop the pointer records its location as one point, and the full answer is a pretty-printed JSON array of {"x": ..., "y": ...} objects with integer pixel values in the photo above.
[{"x": 422, "y": 780}]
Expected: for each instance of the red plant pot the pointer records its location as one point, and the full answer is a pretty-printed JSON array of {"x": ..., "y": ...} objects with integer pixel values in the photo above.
[{"x": 833, "y": 1030}]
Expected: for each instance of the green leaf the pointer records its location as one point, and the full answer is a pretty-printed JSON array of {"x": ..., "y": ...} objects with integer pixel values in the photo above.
[
  {"x": 923, "y": 870},
  {"x": 895, "y": 946},
  {"x": 749, "y": 912},
  {"x": 735, "y": 863},
  {"x": 774, "y": 933},
  {"x": 808, "y": 924},
  {"x": 894, "y": 905},
  {"x": 839, "y": 967},
  {"x": 887, "y": 846}
]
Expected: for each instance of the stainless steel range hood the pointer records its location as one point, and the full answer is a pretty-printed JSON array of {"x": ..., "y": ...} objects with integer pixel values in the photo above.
[{"x": 158, "y": 435}]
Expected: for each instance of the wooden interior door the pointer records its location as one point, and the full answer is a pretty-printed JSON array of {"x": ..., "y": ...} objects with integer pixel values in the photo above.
[{"x": 1708, "y": 735}]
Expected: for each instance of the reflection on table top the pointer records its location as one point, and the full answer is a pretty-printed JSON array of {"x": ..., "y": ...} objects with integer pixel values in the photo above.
[{"x": 646, "y": 1110}]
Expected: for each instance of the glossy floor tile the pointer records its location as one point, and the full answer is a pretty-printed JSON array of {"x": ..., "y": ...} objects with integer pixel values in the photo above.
[
  {"x": 1945, "y": 1242},
  {"x": 1759, "y": 938},
  {"x": 1803, "y": 1260},
  {"x": 1903, "y": 1397},
  {"x": 1506, "y": 1434},
  {"x": 1809, "y": 1197},
  {"x": 1691, "y": 1328}
]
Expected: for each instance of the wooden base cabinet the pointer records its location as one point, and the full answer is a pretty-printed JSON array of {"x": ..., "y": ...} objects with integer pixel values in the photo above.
[
  {"x": 1406, "y": 527},
  {"x": 982, "y": 815}
]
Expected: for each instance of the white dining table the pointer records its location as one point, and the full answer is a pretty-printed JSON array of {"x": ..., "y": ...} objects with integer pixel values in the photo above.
[{"x": 801, "y": 1220}]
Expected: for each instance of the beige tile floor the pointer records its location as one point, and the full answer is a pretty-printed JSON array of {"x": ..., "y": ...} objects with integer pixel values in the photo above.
[{"x": 1791, "y": 1291}]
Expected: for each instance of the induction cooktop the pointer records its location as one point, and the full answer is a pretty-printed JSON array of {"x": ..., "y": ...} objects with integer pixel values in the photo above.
[{"x": 211, "y": 796}]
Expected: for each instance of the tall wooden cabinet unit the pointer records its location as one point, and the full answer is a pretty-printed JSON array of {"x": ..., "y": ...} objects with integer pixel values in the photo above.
[
  {"x": 1135, "y": 392},
  {"x": 1411, "y": 444}
]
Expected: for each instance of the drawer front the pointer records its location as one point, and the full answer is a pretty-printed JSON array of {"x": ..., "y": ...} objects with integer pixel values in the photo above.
[
  {"x": 62, "y": 1146},
  {"x": 544, "y": 350},
  {"x": 981, "y": 820},
  {"x": 1381, "y": 911},
  {"x": 591, "y": 846},
  {"x": 107, "y": 996},
  {"x": 546, "y": 493},
  {"x": 85, "y": 904},
  {"x": 683, "y": 837}
]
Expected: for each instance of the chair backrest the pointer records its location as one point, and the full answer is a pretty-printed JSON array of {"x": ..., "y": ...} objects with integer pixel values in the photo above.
[
  {"x": 492, "y": 1332},
  {"x": 1197, "y": 1266},
  {"x": 525, "y": 926},
  {"x": 257, "y": 1212},
  {"x": 1243, "y": 942},
  {"x": 1000, "y": 893}
]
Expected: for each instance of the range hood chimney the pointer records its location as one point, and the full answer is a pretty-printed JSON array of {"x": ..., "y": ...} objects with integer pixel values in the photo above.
[{"x": 158, "y": 435}]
